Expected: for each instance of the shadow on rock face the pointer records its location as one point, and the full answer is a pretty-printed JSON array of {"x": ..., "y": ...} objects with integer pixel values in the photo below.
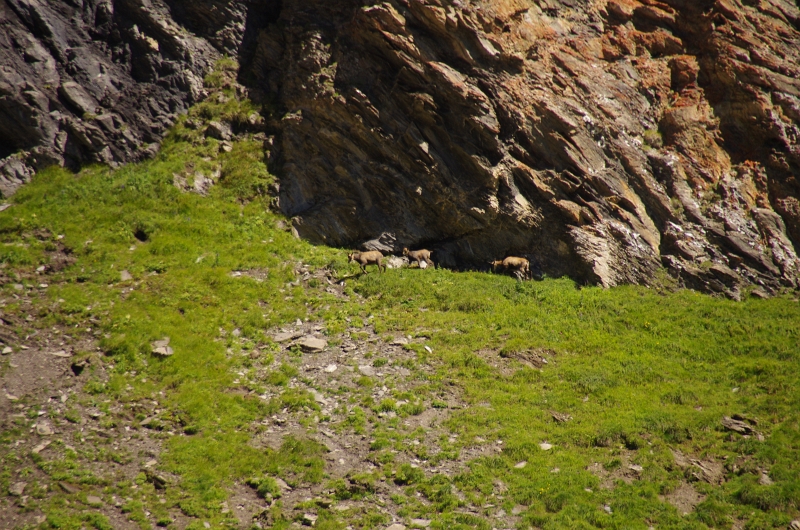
[{"x": 589, "y": 139}]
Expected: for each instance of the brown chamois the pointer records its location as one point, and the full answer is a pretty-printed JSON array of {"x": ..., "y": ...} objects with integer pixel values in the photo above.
[
  {"x": 373, "y": 257},
  {"x": 419, "y": 256},
  {"x": 513, "y": 264}
]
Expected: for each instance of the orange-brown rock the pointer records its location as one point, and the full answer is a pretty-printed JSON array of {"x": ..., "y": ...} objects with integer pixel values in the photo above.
[{"x": 600, "y": 139}]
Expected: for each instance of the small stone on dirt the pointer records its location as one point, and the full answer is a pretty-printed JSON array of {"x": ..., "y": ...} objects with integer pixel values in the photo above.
[
  {"x": 17, "y": 488},
  {"x": 41, "y": 447},
  {"x": 284, "y": 336},
  {"x": 545, "y": 446},
  {"x": 7, "y": 350},
  {"x": 764, "y": 480},
  {"x": 61, "y": 353},
  {"x": 428, "y": 349},
  {"x": 69, "y": 488},
  {"x": 125, "y": 276},
  {"x": 635, "y": 468},
  {"x": 518, "y": 509},
  {"x": 309, "y": 519},
  {"x": 94, "y": 499},
  {"x": 399, "y": 341},
  {"x": 312, "y": 344},
  {"x": 367, "y": 370},
  {"x": 330, "y": 368},
  {"x": 396, "y": 526},
  {"x": 420, "y": 523},
  {"x": 520, "y": 465},
  {"x": 43, "y": 429},
  {"x": 319, "y": 398}
]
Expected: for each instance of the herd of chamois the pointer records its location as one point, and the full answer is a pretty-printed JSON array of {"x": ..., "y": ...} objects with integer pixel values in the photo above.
[{"x": 512, "y": 265}]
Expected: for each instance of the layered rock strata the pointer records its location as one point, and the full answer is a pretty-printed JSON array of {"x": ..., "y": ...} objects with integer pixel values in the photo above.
[
  {"x": 99, "y": 81},
  {"x": 602, "y": 139}
]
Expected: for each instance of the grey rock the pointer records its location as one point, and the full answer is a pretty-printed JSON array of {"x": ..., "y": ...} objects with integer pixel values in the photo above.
[
  {"x": 94, "y": 500},
  {"x": 395, "y": 262},
  {"x": 44, "y": 429},
  {"x": 162, "y": 347},
  {"x": 41, "y": 447},
  {"x": 17, "y": 489},
  {"x": 312, "y": 344},
  {"x": 285, "y": 336},
  {"x": 69, "y": 488},
  {"x": 420, "y": 523},
  {"x": 125, "y": 276},
  {"x": 97, "y": 83},
  {"x": 309, "y": 519},
  {"x": 218, "y": 130},
  {"x": 367, "y": 370},
  {"x": 396, "y": 526},
  {"x": 79, "y": 98}
]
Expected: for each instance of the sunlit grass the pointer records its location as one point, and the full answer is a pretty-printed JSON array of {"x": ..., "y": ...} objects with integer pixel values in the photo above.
[{"x": 640, "y": 373}]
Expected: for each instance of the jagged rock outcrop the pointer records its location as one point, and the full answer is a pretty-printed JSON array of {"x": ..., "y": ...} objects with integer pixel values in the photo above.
[
  {"x": 85, "y": 81},
  {"x": 604, "y": 139}
]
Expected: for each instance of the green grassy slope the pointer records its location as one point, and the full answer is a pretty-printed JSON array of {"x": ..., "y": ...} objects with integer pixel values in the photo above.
[{"x": 644, "y": 376}]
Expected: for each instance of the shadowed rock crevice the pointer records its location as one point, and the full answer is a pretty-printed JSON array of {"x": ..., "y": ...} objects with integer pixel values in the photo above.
[{"x": 603, "y": 139}]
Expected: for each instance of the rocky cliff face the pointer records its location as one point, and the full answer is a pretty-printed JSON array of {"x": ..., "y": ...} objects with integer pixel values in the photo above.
[
  {"x": 85, "y": 81},
  {"x": 604, "y": 139}
]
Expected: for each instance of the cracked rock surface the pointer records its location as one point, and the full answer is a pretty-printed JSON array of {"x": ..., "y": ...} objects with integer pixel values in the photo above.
[
  {"x": 603, "y": 140},
  {"x": 100, "y": 81}
]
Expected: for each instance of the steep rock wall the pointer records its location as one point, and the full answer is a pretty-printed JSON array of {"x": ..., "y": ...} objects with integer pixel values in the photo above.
[
  {"x": 603, "y": 139},
  {"x": 99, "y": 81}
]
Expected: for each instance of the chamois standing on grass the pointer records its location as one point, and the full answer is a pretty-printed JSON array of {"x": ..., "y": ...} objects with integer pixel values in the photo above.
[
  {"x": 373, "y": 257},
  {"x": 419, "y": 256},
  {"x": 513, "y": 264}
]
